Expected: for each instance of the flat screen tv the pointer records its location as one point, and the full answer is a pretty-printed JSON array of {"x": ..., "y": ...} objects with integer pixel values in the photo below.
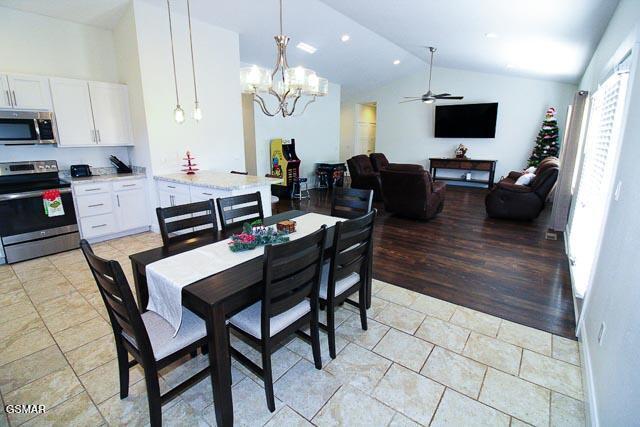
[{"x": 466, "y": 120}]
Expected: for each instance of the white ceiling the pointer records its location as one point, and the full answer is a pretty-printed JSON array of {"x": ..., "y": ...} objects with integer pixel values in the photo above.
[{"x": 546, "y": 39}]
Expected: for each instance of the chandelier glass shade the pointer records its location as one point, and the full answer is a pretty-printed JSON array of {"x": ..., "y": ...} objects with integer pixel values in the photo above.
[{"x": 287, "y": 85}]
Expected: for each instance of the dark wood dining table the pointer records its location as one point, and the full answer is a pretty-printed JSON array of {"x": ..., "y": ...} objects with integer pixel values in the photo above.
[{"x": 215, "y": 299}]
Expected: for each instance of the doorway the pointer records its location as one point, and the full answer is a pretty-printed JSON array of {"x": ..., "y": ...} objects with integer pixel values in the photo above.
[{"x": 366, "y": 120}]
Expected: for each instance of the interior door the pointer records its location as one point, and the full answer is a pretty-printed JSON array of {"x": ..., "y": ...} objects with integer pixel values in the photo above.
[
  {"x": 366, "y": 138},
  {"x": 30, "y": 92},
  {"x": 72, "y": 107},
  {"x": 5, "y": 95},
  {"x": 111, "y": 113}
]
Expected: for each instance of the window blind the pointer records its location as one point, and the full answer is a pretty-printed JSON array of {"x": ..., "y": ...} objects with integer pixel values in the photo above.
[{"x": 599, "y": 157}]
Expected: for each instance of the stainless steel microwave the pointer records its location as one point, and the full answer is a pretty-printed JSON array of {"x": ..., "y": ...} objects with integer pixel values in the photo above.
[{"x": 26, "y": 128}]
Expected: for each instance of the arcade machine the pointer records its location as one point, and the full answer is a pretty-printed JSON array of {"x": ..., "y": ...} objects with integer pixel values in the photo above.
[{"x": 285, "y": 164}]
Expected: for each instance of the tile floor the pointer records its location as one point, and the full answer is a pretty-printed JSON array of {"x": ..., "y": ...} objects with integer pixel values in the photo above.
[{"x": 422, "y": 362}]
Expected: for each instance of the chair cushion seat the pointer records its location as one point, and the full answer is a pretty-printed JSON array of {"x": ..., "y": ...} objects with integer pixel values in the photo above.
[
  {"x": 341, "y": 285},
  {"x": 161, "y": 333},
  {"x": 248, "y": 319}
]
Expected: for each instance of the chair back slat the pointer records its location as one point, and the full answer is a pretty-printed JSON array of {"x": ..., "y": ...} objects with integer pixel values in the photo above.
[
  {"x": 118, "y": 299},
  {"x": 353, "y": 249},
  {"x": 183, "y": 218},
  {"x": 246, "y": 207},
  {"x": 351, "y": 202},
  {"x": 291, "y": 274}
]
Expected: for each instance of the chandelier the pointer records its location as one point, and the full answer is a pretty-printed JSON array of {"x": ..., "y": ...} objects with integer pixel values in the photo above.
[{"x": 287, "y": 85}]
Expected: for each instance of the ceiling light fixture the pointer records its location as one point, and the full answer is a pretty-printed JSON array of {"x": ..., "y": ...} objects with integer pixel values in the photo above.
[
  {"x": 396, "y": 62},
  {"x": 306, "y": 47},
  {"x": 197, "y": 111},
  {"x": 345, "y": 38},
  {"x": 178, "y": 113},
  {"x": 491, "y": 35},
  {"x": 510, "y": 66},
  {"x": 286, "y": 84}
]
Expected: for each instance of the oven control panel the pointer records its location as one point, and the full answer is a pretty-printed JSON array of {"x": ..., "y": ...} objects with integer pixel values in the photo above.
[{"x": 22, "y": 168}]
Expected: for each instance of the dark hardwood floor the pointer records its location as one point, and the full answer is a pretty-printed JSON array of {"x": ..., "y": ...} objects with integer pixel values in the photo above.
[{"x": 504, "y": 268}]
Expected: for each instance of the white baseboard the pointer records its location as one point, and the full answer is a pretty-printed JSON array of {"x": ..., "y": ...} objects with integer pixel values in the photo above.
[
  {"x": 591, "y": 408},
  {"x": 119, "y": 234}
]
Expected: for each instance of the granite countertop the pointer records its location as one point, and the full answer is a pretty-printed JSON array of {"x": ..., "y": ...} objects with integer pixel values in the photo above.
[
  {"x": 219, "y": 180},
  {"x": 106, "y": 177}
]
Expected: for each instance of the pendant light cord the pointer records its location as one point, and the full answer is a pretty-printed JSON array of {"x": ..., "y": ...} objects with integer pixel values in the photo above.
[
  {"x": 281, "y": 31},
  {"x": 430, "y": 68},
  {"x": 193, "y": 65},
  {"x": 173, "y": 55}
]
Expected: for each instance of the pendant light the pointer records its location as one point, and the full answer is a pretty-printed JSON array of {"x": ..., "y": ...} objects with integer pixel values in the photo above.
[
  {"x": 197, "y": 111},
  {"x": 178, "y": 113}
]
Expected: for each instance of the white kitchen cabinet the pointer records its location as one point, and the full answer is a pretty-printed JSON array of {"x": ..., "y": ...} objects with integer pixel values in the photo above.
[
  {"x": 5, "y": 95},
  {"x": 131, "y": 208},
  {"x": 72, "y": 107},
  {"x": 111, "y": 115},
  {"x": 111, "y": 208},
  {"x": 25, "y": 92}
]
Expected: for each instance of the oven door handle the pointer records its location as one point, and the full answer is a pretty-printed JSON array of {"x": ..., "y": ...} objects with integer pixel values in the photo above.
[{"x": 29, "y": 194}]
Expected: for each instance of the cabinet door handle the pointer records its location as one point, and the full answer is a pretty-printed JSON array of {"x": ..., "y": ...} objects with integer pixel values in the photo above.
[
  {"x": 118, "y": 199},
  {"x": 171, "y": 200},
  {"x": 129, "y": 185},
  {"x": 15, "y": 100},
  {"x": 208, "y": 194},
  {"x": 93, "y": 135},
  {"x": 92, "y": 189},
  {"x": 170, "y": 186},
  {"x": 9, "y": 100},
  {"x": 98, "y": 133},
  {"x": 96, "y": 205},
  {"x": 99, "y": 225}
]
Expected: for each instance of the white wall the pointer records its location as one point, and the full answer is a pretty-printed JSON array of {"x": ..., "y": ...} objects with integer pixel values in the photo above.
[
  {"x": 612, "y": 368},
  {"x": 405, "y": 131},
  {"x": 217, "y": 141},
  {"x": 36, "y": 44},
  {"x": 317, "y": 134}
]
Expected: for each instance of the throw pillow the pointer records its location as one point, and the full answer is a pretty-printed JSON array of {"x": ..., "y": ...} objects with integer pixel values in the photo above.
[
  {"x": 530, "y": 169},
  {"x": 525, "y": 179}
]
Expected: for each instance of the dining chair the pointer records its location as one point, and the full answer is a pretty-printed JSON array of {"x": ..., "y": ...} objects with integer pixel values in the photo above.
[
  {"x": 291, "y": 277},
  {"x": 348, "y": 271},
  {"x": 147, "y": 337},
  {"x": 243, "y": 208},
  {"x": 178, "y": 223},
  {"x": 351, "y": 202}
]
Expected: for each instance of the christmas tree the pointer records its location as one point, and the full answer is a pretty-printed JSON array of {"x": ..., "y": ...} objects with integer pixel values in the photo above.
[{"x": 547, "y": 140}]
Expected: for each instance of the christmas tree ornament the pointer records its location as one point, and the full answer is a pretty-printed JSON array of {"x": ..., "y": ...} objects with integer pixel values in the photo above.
[{"x": 547, "y": 144}]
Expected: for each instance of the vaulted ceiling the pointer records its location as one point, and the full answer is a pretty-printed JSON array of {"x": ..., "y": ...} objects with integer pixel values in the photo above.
[{"x": 546, "y": 39}]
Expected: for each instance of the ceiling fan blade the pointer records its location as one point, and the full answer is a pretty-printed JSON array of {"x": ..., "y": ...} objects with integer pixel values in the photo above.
[
  {"x": 412, "y": 97},
  {"x": 449, "y": 97},
  {"x": 442, "y": 94},
  {"x": 410, "y": 100}
]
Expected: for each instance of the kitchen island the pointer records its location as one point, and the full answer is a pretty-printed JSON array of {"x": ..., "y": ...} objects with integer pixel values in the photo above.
[{"x": 179, "y": 188}]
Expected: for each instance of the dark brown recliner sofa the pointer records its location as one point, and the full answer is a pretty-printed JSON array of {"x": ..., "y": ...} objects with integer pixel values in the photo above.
[
  {"x": 408, "y": 190},
  {"x": 378, "y": 161},
  {"x": 510, "y": 201},
  {"x": 363, "y": 176}
]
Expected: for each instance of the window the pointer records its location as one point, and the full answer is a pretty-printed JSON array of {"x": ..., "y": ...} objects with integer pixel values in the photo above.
[{"x": 595, "y": 179}]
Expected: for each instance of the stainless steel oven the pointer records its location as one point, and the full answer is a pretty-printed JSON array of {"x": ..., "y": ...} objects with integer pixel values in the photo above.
[
  {"x": 26, "y": 230},
  {"x": 26, "y": 128}
]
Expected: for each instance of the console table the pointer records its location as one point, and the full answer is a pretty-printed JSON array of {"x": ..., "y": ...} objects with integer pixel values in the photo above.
[{"x": 489, "y": 166}]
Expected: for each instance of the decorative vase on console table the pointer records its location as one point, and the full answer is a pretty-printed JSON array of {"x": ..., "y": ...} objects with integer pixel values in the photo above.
[{"x": 461, "y": 152}]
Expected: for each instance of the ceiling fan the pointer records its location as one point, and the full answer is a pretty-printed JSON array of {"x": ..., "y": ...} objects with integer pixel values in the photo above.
[{"x": 430, "y": 97}]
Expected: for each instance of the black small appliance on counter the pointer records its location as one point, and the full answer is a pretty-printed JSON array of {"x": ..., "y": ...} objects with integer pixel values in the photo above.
[
  {"x": 79, "y": 171},
  {"x": 122, "y": 168}
]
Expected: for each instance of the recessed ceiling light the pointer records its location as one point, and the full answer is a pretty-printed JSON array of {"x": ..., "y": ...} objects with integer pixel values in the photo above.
[
  {"x": 306, "y": 47},
  {"x": 345, "y": 37},
  {"x": 510, "y": 66},
  {"x": 396, "y": 62},
  {"x": 491, "y": 35}
]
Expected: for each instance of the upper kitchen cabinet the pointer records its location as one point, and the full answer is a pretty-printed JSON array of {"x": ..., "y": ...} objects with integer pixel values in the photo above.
[
  {"x": 111, "y": 113},
  {"x": 91, "y": 113},
  {"x": 72, "y": 107},
  {"x": 24, "y": 92}
]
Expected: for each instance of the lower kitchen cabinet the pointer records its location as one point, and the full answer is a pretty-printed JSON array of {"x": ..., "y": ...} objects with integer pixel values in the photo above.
[{"x": 111, "y": 208}]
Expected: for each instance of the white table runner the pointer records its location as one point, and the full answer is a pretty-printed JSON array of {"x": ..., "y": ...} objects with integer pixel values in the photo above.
[{"x": 167, "y": 277}]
